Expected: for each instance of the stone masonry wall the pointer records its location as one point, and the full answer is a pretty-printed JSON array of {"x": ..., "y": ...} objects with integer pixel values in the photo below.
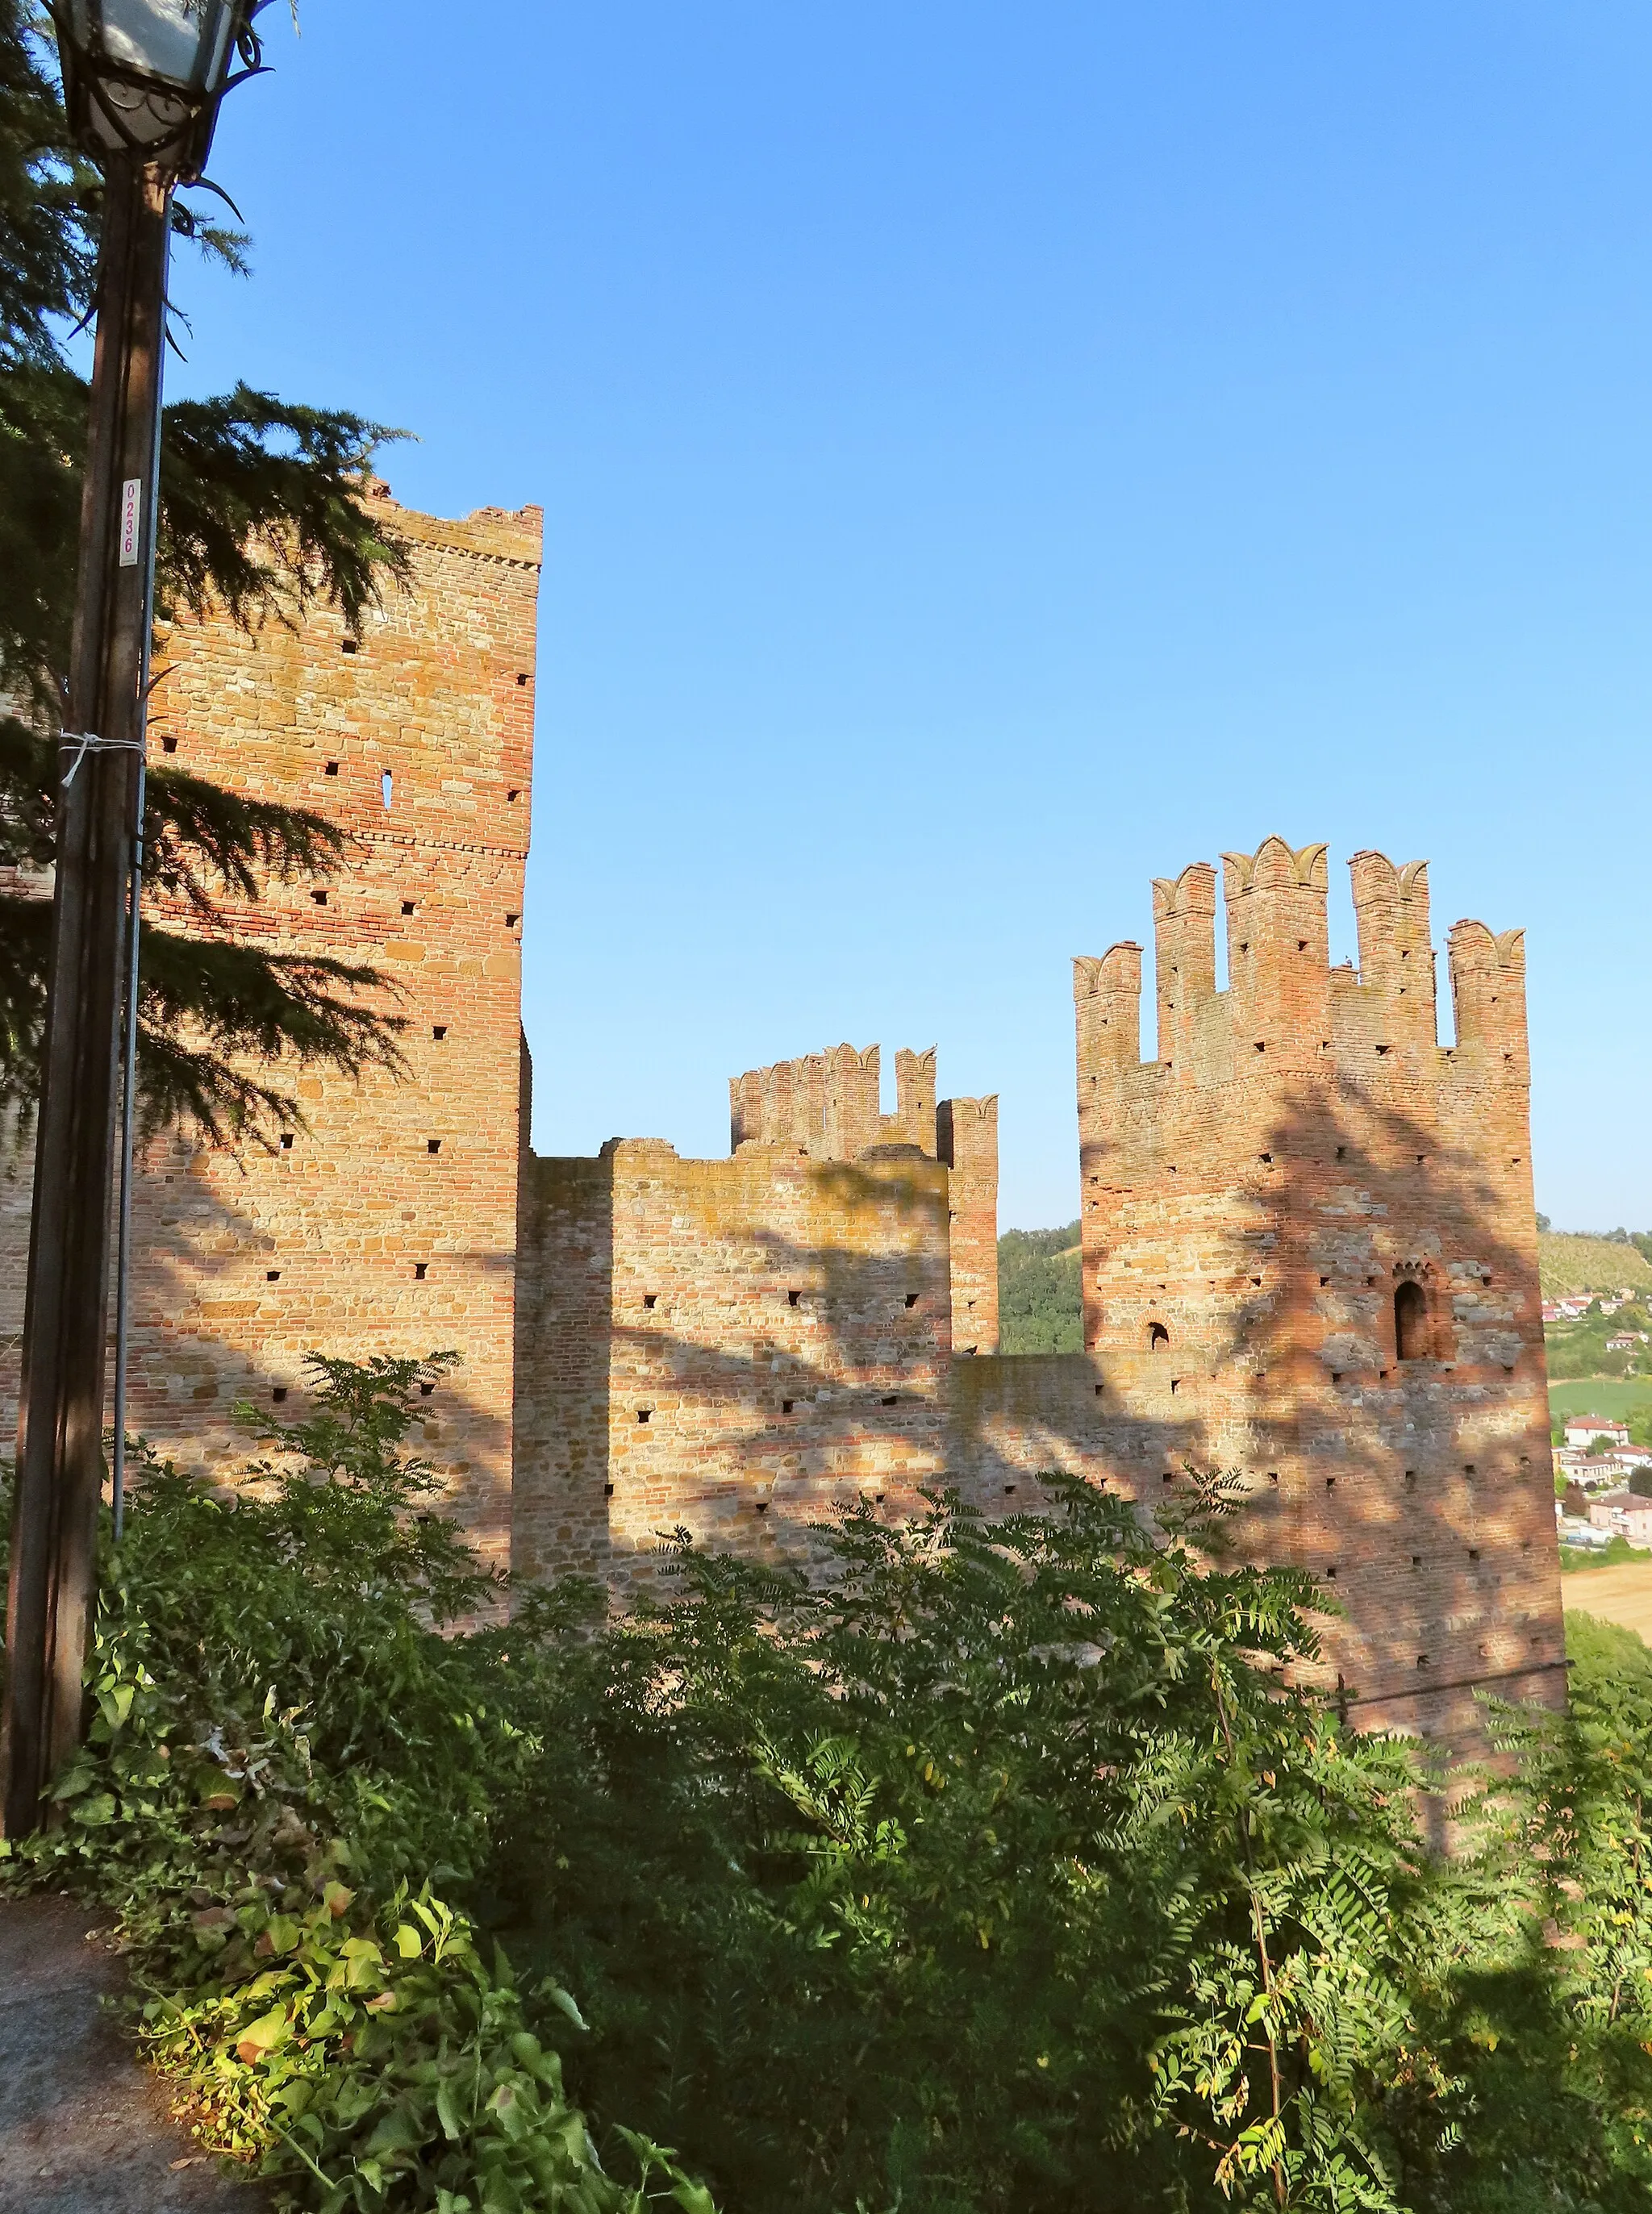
[
  {"x": 735, "y": 1347},
  {"x": 1303, "y": 1162},
  {"x": 388, "y": 1223}
]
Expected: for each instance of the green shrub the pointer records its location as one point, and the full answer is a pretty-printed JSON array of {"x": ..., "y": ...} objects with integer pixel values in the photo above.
[
  {"x": 286, "y": 1763},
  {"x": 1004, "y": 1870},
  {"x": 1007, "y": 1867}
]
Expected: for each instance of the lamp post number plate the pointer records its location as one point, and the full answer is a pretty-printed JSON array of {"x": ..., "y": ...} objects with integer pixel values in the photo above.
[{"x": 131, "y": 510}]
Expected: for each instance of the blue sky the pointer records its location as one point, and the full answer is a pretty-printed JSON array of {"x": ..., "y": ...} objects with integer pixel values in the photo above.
[{"x": 993, "y": 456}]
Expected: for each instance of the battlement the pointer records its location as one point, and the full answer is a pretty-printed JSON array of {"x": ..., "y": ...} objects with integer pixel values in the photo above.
[
  {"x": 828, "y": 1104},
  {"x": 1309, "y": 1256},
  {"x": 489, "y": 534},
  {"x": 1284, "y": 1006}
]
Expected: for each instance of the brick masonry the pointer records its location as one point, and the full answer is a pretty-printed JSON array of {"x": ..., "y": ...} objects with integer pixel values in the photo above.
[
  {"x": 1309, "y": 1261},
  {"x": 1310, "y": 1258},
  {"x": 732, "y": 1347},
  {"x": 1309, "y": 1244},
  {"x": 389, "y": 1223}
]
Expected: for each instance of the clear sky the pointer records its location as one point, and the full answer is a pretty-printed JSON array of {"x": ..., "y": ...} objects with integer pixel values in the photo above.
[{"x": 994, "y": 455}]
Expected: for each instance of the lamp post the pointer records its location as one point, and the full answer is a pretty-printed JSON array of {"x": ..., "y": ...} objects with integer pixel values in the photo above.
[{"x": 141, "y": 82}]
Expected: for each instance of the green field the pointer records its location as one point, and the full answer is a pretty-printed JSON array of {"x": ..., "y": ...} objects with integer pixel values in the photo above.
[{"x": 1606, "y": 1395}]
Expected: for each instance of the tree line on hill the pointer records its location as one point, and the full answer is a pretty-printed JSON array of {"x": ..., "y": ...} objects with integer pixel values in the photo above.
[{"x": 1040, "y": 1301}]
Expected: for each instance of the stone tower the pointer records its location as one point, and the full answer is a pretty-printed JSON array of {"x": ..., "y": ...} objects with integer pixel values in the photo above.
[{"x": 1309, "y": 1253}]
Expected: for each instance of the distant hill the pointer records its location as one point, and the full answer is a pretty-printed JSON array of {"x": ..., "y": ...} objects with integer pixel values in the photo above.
[
  {"x": 1040, "y": 1304},
  {"x": 1569, "y": 1261}
]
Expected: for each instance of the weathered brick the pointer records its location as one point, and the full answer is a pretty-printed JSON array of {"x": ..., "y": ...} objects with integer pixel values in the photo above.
[
  {"x": 437, "y": 695},
  {"x": 1301, "y": 1161}
]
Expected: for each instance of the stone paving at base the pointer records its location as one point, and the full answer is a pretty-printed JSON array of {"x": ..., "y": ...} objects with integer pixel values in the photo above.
[{"x": 84, "y": 2128}]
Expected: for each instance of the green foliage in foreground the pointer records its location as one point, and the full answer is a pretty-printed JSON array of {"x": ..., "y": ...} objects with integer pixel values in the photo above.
[
  {"x": 287, "y": 1765},
  {"x": 1040, "y": 1301},
  {"x": 1004, "y": 1872}
]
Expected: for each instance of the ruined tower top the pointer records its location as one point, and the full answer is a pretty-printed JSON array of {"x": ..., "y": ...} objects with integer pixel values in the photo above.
[
  {"x": 827, "y": 1105},
  {"x": 1309, "y": 1255}
]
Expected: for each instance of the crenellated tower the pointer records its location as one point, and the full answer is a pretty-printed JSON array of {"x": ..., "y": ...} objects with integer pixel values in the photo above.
[{"x": 1309, "y": 1255}]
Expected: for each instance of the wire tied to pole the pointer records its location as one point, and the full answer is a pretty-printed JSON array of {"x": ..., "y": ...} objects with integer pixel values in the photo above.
[{"x": 87, "y": 742}]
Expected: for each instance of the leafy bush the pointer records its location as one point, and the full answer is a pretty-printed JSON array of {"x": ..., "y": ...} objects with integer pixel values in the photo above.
[
  {"x": 1618, "y": 1553},
  {"x": 1005, "y": 1870},
  {"x": 1007, "y": 1867},
  {"x": 285, "y": 1758}
]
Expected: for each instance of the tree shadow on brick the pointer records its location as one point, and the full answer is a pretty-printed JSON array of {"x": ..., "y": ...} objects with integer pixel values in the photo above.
[
  {"x": 740, "y": 1348},
  {"x": 222, "y": 1315}
]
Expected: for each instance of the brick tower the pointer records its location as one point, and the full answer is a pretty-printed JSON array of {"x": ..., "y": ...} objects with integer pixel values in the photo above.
[
  {"x": 388, "y": 1223},
  {"x": 1309, "y": 1255}
]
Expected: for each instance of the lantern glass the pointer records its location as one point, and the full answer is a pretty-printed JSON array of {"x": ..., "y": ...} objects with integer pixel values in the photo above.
[
  {"x": 142, "y": 78},
  {"x": 184, "y": 43}
]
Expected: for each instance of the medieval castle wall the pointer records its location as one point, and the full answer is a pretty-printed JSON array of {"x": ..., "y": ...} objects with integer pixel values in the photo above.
[
  {"x": 385, "y": 1222},
  {"x": 828, "y": 1104},
  {"x": 1308, "y": 1236},
  {"x": 1309, "y": 1257},
  {"x": 738, "y": 1347},
  {"x": 732, "y": 1346}
]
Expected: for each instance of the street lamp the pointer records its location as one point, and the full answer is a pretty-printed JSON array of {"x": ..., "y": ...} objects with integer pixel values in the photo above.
[
  {"x": 145, "y": 77},
  {"x": 142, "y": 83}
]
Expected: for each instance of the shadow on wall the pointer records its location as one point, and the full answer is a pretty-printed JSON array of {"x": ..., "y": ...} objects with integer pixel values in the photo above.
[
  {"x": 208, "y": 1285},
  {"x": 1362, "y": 1345},
  {"x": 693, "y": 1356}
]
